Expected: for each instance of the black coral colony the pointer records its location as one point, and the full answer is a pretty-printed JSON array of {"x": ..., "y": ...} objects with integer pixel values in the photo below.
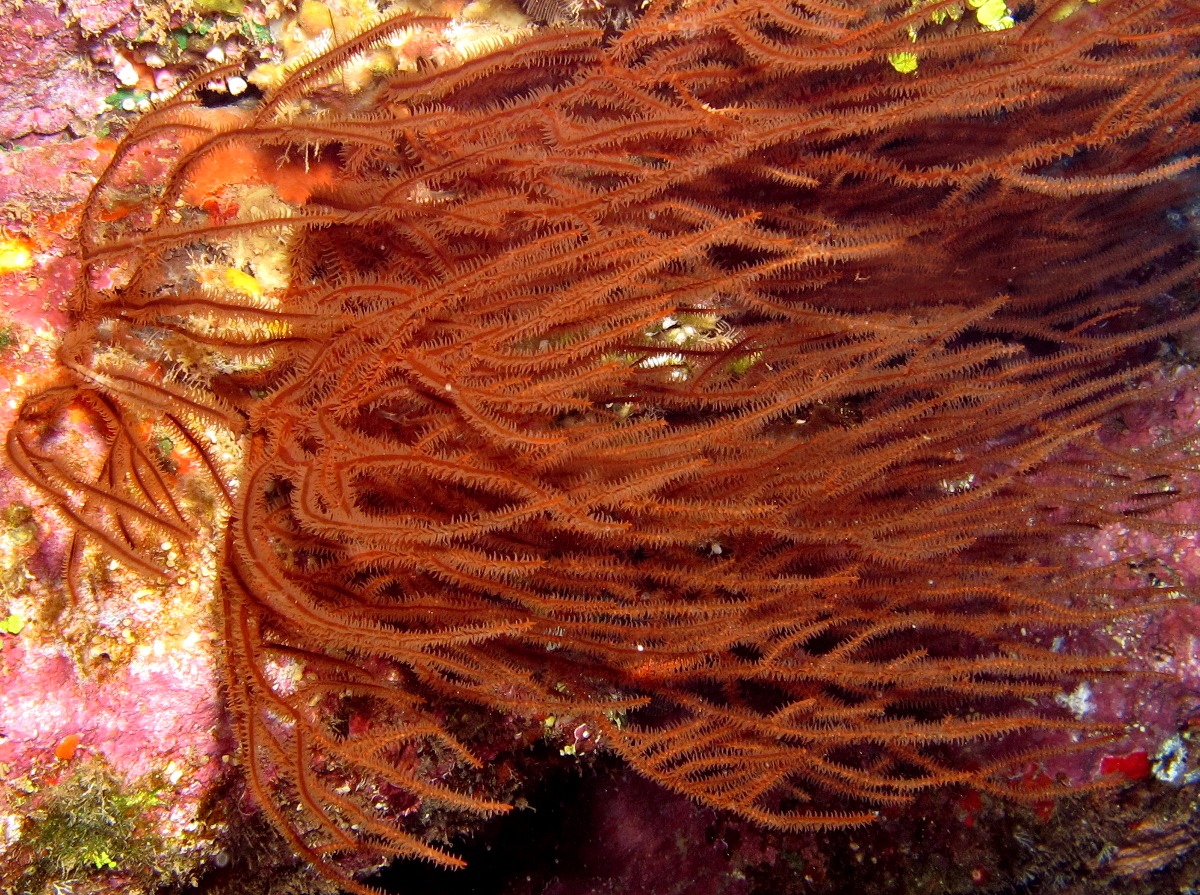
[{"x": 687, "y": 378}]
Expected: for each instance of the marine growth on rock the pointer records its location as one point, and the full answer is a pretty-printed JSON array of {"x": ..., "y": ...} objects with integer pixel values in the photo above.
[{"x": 685, "y": 376}]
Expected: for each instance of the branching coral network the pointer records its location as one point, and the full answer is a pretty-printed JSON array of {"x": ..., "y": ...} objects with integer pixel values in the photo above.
[{"x": 687, "y": 378}]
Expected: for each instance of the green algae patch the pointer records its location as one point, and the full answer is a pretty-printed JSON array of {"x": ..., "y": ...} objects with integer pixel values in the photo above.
[
  {"x": 224, "y": 7},
  {"x": 89, "y": 823}
]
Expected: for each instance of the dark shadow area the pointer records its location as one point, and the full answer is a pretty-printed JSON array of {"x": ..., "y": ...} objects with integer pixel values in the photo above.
[{"x": 518, "y": 852}]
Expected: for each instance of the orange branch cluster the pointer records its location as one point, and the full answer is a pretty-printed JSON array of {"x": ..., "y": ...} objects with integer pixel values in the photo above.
[{"x": 685, "y": 378}]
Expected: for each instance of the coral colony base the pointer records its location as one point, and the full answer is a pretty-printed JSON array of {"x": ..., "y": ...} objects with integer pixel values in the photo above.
[{"x": 725, "y": 378}]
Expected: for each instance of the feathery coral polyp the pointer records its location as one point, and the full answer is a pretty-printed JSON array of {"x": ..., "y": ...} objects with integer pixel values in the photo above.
[{"x": 686, "y": 378}]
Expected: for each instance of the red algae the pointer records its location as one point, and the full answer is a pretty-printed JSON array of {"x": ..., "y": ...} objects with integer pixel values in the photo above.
[{"x": 1133, "y": 766}]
